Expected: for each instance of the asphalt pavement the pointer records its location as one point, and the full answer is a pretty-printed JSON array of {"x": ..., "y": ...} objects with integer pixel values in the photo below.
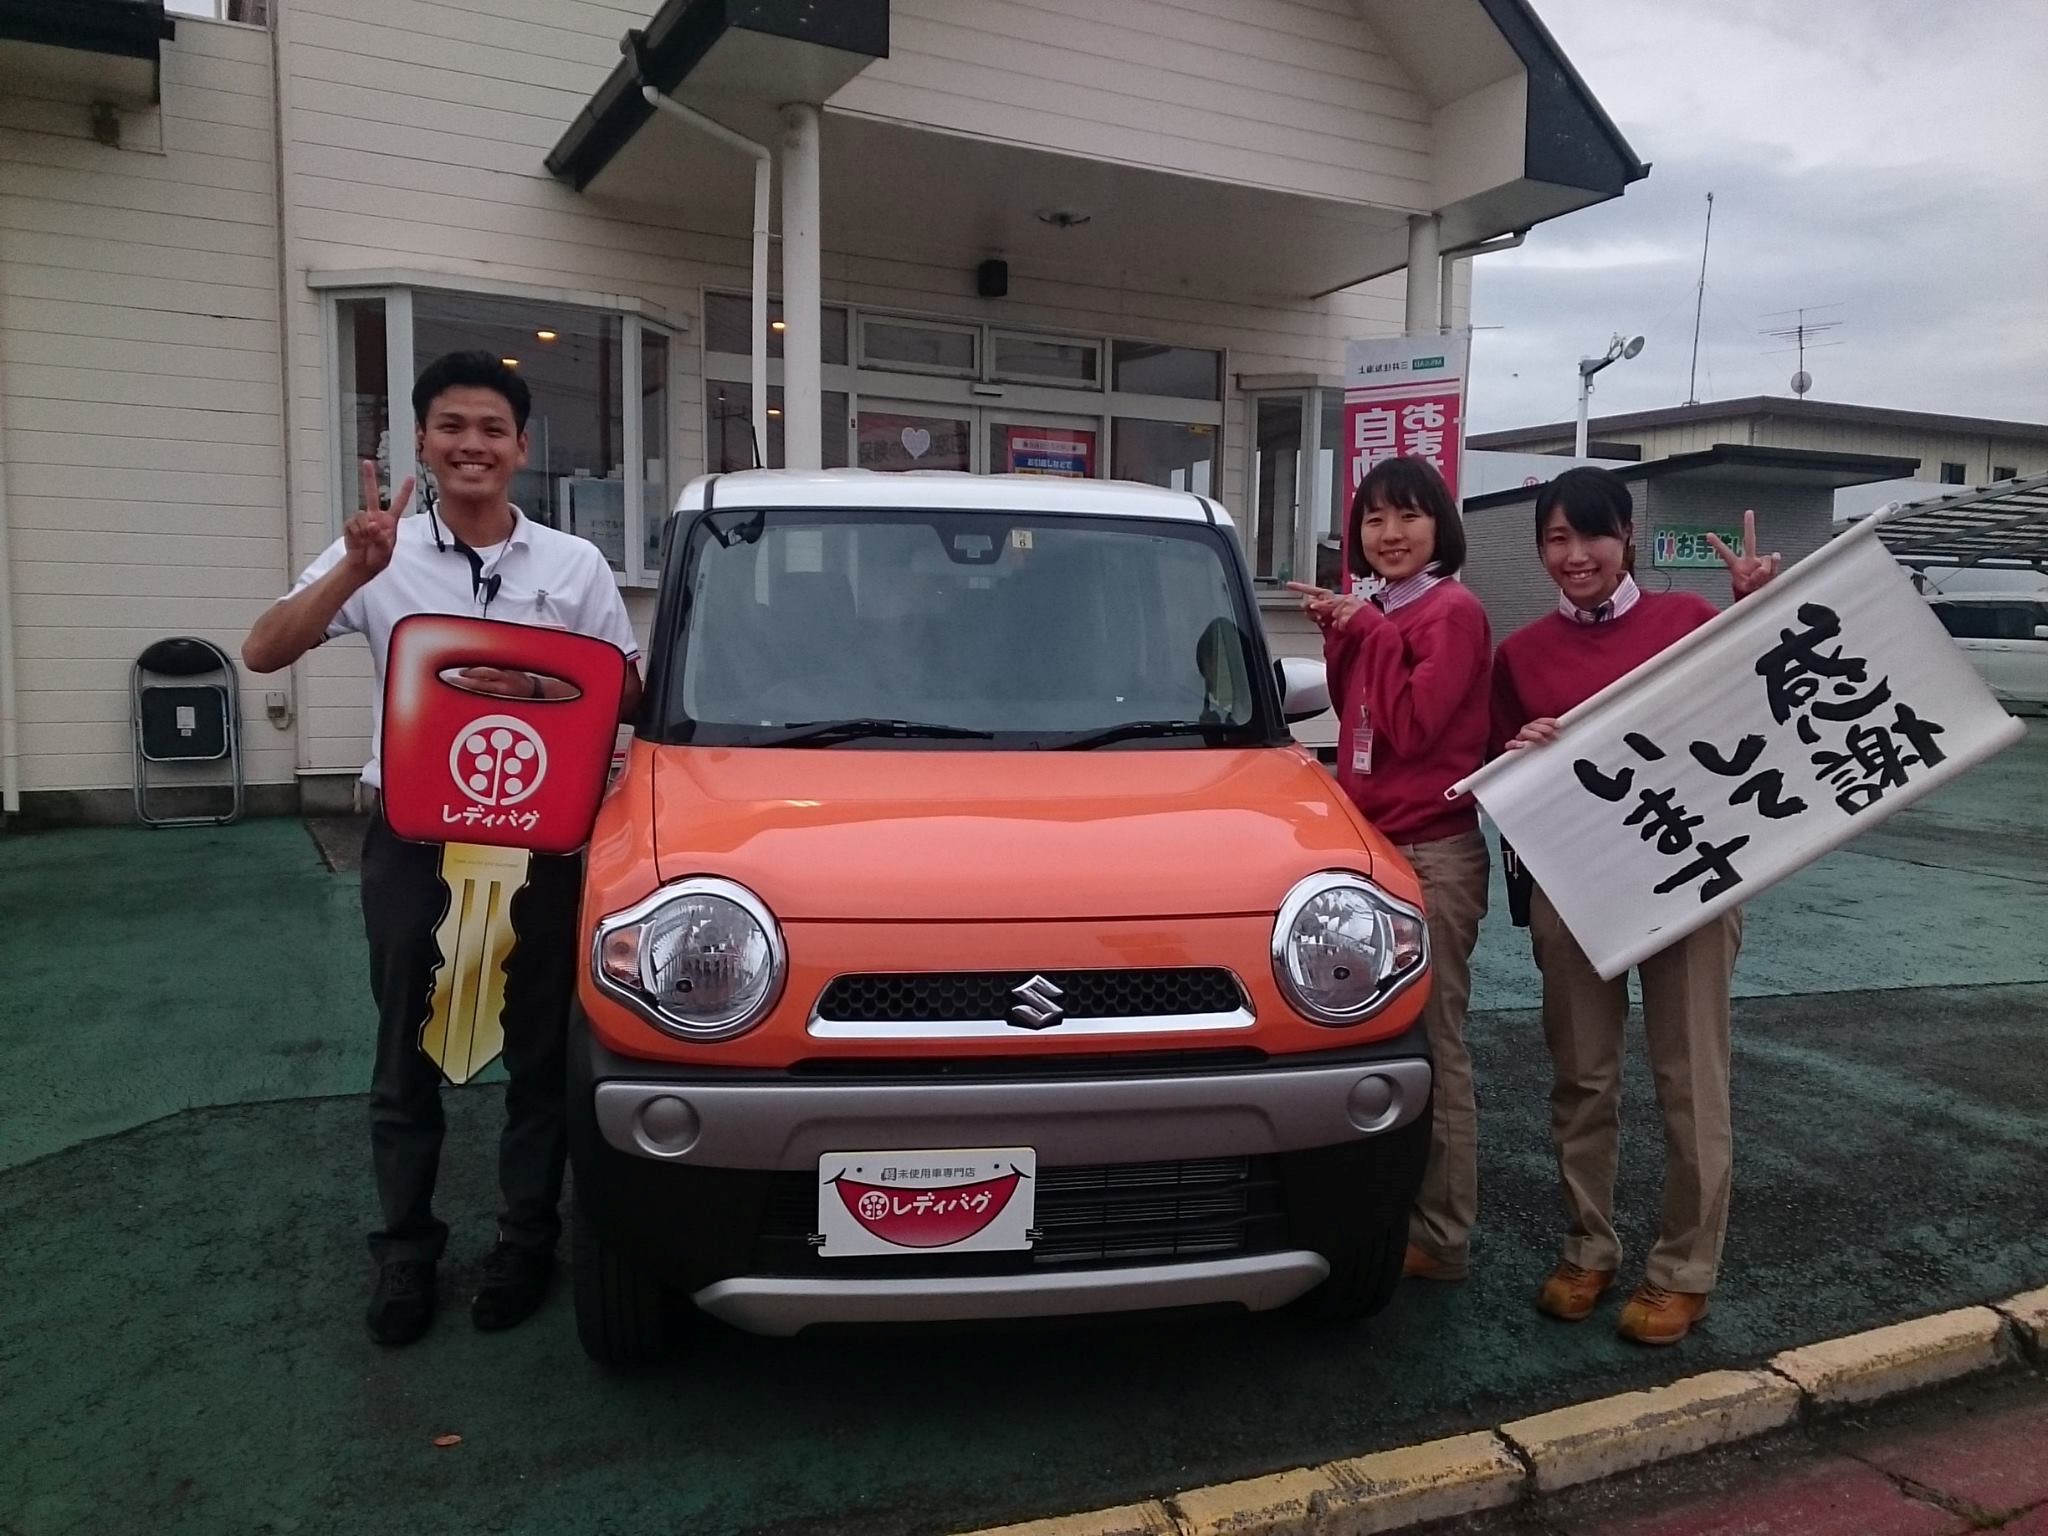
[{"x": 184, "y": 1183}]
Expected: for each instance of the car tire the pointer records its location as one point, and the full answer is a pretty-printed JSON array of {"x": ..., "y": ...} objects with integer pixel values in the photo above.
[
  {"x": 1363, "y": 1277},
  {"x": 623, "y": 1316}
]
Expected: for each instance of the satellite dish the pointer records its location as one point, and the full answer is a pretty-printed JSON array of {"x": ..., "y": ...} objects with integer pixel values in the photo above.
[
  {"x": 1634, "y": 346},
  {"x": 1802, "y": 381}
]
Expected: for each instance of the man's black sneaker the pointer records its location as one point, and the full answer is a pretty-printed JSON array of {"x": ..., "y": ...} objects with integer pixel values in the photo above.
[
  {"x": 515, "y": 1282},
  {"x": 402, "y": 1305}
]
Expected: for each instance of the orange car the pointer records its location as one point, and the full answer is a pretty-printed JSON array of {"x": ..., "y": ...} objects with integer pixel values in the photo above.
[{"x": 968, "y": 937}]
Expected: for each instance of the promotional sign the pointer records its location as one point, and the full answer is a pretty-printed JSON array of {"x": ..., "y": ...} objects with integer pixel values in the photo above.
[
  {"x": 967, "y": 1200},
  {"x": 1686, "y": 548},
  {"x": 463, "y": 766},
  {"x": 1805, "y": 714},
  {"x": 1062, "y": 452},
  {"x": 1403, "y": 395}
]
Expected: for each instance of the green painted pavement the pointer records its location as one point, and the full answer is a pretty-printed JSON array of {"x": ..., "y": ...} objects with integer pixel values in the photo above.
[{"x": 180, "y": 1350}]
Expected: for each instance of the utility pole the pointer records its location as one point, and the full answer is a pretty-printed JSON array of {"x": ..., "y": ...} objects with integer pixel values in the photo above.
[{"x": 1692, "y": 393}]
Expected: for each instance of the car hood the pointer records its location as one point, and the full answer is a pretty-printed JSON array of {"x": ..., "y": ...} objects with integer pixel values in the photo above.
[{"x": 883, "y": 835}]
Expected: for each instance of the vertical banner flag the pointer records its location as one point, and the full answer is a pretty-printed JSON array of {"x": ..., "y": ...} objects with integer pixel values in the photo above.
[
  {"x": 1404, "y": 395},
  {"x": 1807, "y": 713}
]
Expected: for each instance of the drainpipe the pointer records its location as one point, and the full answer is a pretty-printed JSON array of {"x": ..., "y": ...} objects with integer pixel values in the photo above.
[
  {"x": 10, "y": 737},
  {"x": 764, "y": 163},
  {"x": 802, "y": 290}
]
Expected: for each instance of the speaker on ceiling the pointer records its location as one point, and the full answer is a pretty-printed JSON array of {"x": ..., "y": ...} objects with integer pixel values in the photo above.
[{"x": 992, "y": 279}]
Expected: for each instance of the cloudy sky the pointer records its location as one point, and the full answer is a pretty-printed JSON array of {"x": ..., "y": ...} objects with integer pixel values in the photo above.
[{"x": 1882, "y": 162}]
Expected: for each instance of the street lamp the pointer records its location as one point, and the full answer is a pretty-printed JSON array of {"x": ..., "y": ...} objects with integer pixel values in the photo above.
[{"x": 1617, "y": 350}]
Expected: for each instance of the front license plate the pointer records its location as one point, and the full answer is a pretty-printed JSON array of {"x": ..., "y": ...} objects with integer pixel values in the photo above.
[{"x": 956, "y": 1200}]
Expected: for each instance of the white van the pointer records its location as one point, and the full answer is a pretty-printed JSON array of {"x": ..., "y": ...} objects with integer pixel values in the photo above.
[{"x": 2006, "y": 638}]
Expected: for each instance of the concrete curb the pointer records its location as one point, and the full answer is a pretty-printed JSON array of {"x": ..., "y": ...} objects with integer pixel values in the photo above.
[{"x": 1527, "y": 1458}]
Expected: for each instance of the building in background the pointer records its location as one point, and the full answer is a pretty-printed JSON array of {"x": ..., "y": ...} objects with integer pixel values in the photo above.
[
  {"x": 1678, "y": 502},
  {"x": 1948, "y": 450},
  {"x": 1119, "y": 241}
]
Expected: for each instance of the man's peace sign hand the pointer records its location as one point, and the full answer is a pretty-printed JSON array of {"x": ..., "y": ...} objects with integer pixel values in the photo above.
[
  {"x": 369, "y": 537},
  {"x": 1748, "y": 571}
]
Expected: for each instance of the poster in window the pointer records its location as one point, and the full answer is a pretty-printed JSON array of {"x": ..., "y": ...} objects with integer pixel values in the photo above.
[
  {"x": 1404, "y": 395},
  {"x": 1058, "y": 451}
]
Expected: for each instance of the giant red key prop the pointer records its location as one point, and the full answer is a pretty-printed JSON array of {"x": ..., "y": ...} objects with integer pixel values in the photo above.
[
  {"x": 460, "y": 766},
  {"x": 494, "y": 780}
]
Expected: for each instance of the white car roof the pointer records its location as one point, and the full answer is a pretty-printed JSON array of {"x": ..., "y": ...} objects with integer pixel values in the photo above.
[{"x": 947, "y": 490}]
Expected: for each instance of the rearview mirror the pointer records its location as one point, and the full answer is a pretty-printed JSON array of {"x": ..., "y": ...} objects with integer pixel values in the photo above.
[{"x": 1304, "y": 688}]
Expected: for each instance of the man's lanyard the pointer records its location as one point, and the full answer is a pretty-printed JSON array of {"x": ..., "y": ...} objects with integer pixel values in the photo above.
[{"x": 482, "y": 589}]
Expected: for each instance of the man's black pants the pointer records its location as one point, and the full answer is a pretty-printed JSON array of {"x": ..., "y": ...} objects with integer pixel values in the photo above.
[{"x": 403, "y": 903}]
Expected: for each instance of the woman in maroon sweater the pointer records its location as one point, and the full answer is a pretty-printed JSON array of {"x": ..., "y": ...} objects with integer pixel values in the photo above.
[
  {"x": 1408, "y": 677},
  {"x": 1605, "y": 626}
]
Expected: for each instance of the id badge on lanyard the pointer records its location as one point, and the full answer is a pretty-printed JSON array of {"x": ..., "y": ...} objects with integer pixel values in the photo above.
[{"x": 1361, "y": 742}]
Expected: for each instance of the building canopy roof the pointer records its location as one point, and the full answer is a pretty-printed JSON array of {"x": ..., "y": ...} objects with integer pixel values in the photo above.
[
  {"x": 1738, "y": 462},
  {"x": 2003, "y": 525}
]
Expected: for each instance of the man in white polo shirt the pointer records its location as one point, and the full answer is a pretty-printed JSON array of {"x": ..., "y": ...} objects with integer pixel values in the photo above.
[{"x": 467, "y": 551}]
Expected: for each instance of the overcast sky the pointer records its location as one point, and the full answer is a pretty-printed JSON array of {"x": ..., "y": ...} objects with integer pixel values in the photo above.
[{"x": 1882, "y": 162}]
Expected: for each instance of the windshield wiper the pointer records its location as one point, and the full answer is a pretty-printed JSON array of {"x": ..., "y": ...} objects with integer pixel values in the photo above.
[
  {"x": 822, "y": 733},
  {"x": 1209, "y": 730}
]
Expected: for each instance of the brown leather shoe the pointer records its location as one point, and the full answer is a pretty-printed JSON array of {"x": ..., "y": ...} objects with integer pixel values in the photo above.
[
  {"x": 1657, "y": 1316},
  {"x": 1421, "y": 1264},
  {"x": 1572, "y": 1292}
]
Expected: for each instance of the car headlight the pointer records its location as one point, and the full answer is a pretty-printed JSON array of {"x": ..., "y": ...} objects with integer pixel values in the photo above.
[
  {"x": 1343, "y": 948},
  {"x": 701, "y": 959}
]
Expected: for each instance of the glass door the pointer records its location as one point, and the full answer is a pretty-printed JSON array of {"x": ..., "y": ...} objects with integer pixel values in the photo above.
[
  {"x": 892, "y": 435},
  {"x": 1021, "y": 443}
]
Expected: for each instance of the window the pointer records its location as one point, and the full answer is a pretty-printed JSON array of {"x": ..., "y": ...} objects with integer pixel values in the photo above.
[
  {"x": 728, "y": 434},
  {"x": 1048, "y": 359},
  {"x": 1951, "y": 473},
  {"x": 597, "y": 438},
  {"x": 1989, "y": 619},
  {"x": 917, "y": 346},
  {"x": 1183, "y": 373},
  {"x": 2005, "y": 472},
  {"x": 1179, "y": 455},
  {"x": 729, "y": 318},
  {"x": 1277, "y": 440}
]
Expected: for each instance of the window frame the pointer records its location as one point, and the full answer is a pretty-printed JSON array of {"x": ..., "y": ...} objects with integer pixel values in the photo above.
[
  {"x": 1309, "y": 398},
  {"x": 948, "y": 389},
  {"x": 396, "y": 293}
]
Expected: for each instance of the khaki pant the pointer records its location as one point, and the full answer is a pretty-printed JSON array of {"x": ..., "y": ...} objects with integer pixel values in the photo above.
[
  {"x": 1685, "y": 1016},
  {"x": 1453, "y": 871}
]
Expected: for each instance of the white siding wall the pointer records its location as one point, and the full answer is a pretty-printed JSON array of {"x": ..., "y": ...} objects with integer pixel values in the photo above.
[
  {"x": 138, "y": 327},
  {"x": 1297, "y": 95}
]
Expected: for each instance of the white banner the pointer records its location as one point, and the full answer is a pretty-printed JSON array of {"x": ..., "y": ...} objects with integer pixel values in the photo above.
[{"x": 1805, "y": 714}]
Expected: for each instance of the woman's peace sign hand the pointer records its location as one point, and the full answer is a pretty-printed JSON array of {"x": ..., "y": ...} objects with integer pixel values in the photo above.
[{"x": 1748, "y": 571}]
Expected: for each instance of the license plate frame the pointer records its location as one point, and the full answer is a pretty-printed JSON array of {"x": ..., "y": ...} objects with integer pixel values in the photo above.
[{"x": 929, "y": 1201}]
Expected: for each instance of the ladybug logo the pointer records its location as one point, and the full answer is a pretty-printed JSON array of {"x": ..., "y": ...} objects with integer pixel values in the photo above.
[{"x": 498, "y": 760}]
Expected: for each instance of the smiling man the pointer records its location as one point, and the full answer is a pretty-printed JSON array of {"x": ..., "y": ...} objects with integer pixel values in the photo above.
[{"x": 467, "y": 550}]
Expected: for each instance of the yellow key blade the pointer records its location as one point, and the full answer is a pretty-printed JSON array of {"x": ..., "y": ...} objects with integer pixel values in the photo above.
[{"x": 465, "y": 1030}]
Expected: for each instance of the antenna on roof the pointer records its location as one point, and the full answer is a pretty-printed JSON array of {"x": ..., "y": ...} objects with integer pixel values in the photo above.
[
  {"x": 1801, "y": 333},
  {"x": 1692, "y": 393}
]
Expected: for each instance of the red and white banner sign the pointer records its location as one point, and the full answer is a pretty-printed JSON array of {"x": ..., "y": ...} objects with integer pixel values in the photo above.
[{"x": 1405, "y": 395}]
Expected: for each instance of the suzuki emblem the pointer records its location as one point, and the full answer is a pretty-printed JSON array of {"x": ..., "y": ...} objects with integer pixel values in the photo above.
[{"x": 1038, "y": 1005}]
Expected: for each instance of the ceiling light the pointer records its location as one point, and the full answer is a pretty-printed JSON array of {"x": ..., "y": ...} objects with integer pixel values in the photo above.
[
  {"x": 509, "y": 362},
  {"x": 774, "y": 410},
  {"x": 544, "y": 335},
  {"x": 778, "y": 325},
  {"x": 1063, "y": 218}
]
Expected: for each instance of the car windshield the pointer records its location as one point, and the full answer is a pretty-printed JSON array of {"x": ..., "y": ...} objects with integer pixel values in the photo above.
[{"x": 961, "y": 630}]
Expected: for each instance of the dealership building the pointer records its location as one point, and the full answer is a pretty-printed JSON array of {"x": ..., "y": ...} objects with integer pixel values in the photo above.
[{"x": 1123, "y": 242}]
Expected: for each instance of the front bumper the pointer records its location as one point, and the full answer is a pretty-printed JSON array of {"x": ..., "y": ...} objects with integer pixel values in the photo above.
[{"x": 1164, "y": 1182}]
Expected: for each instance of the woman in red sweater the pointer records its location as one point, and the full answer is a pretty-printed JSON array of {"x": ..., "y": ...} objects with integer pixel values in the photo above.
[
  {"x": 1605, "y": 626},
  {"x": 1409, "y": 670}
]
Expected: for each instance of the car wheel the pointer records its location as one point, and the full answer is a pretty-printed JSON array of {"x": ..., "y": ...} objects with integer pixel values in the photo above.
[
  {"x": 623, "y": 1316},
  {"x": 1363, "y": 1276}
]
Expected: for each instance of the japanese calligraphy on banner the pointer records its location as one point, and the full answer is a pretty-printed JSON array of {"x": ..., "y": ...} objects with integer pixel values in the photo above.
[
  {"x": 1804, "y": 715},
  {"x": 1405, "y": 395}
]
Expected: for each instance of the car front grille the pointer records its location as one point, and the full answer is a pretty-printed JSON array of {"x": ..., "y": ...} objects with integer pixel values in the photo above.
[
  {"x": 1120, "y": 1213},
  {"x": 972, "y": 996}
]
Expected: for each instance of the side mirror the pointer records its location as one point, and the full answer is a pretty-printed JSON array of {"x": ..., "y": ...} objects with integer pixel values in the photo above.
[{"x": 1304, "y": 688}]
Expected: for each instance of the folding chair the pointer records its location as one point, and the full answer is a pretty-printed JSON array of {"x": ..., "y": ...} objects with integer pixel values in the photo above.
[{"x": 195, "y": 719}]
